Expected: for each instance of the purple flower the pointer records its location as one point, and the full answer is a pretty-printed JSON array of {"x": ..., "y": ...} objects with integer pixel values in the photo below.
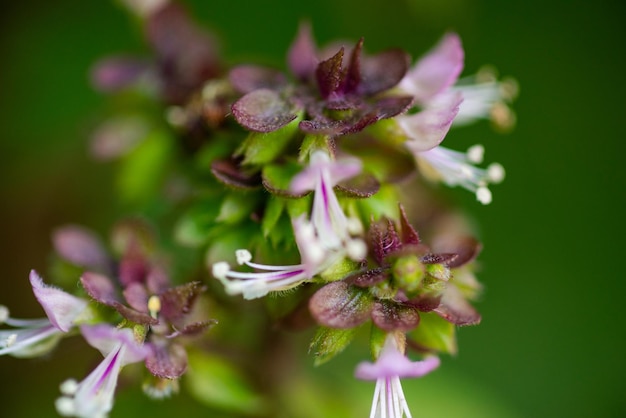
[
  {"x": 435, "y": 72},
  {"x": 391, "y": 365},
  {"x": 37, "y": 336},
  {"x": 314, "y": 259},
  {"x": 331, "y": 225},
  {"x": 455, "y": 168},
  {"x": 93, "y": 397}
]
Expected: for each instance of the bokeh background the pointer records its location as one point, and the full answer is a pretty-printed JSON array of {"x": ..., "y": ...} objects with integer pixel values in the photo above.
[{"x": 552, "y": 341}]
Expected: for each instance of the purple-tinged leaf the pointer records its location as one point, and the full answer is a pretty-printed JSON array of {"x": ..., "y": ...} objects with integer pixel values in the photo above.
[
  {"x": 136, "y": 296},
  {"x": 247, "y": 78},
  {"x": 111, "y": 74},
  {"x": 362, "y": 185},
  {"x": 383, "y": 241},
  {"x": 407, "y": 232},
  {"x": 383, "y": 71},
  {"x": 326, "y": 127},
  {"x": 100, "y": 288},
  {"x": 425, "y": 303},
  {"x": 353, "y": 75},
  {"x": 157, "y": 281},
  {"x": 302, "y": 55},
  {"x": 443, "y": 258},
  {"x": 329, "y": 74},
  {"x": 193, "y": 329},
  {"x": 467, "y": 249},
  {"x": 456, "y": 309},
  {"x": 186, "y": 54},
  {"x": 133, "y": 315},
  {"x": 343, "y": 103},
  {"x": 262, "y": 110},
  {"x": 367, "y": 278},
  {"x": 357, "y": 124},
  {"x": 230, "y": 173},
  {"x": 133, "y": 268},
  {"x": 178, "y": 301},
  {"x": 339, "y": 305},
  {"x": 60, "y": 307},
  {"x": 80, "y": 246},
  {"x": 167, "y": 361},
  {"x": 389, "y": 107},
  {"x": 390, "y": 316}
]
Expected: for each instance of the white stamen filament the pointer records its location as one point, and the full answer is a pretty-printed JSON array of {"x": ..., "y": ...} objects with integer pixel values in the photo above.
[{"x": 4, "y": 314}]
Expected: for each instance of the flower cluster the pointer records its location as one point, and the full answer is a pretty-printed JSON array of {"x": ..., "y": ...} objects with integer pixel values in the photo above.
[{"x": 264, "y": 182}]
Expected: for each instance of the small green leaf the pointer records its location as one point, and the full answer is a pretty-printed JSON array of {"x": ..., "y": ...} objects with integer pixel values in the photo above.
[
  {"x": 339, "y": 270},
  {"x": 273, "y": 210},
  {"x": 142, "y": 171},
  {"x": 263, "y": 148},
  {"x": 328, "y": 342},
  {"x": 277, "y": 178},
  {"x": 382, "y": 204},
  {"x": 192, "y": 228},
  {"x": 237, "y": 206},
  {"x": 435, "y": 333},
  {"x": 215, "y": 382}
]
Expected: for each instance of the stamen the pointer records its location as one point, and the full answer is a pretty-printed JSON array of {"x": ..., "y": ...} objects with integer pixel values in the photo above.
[
  {"x": 65, "y": 406},
  {"x": 10, "y": 340},
  {"x": 483, "y": 195},
  {"x": 154, "y": 305},
  {"x": 4, "y": 314},
  {"x": 221, "y": 270},
  {"x": 356, "y": 249},
  {"x": 243, "y": 256},
  {"x": 354, "y": 225},
  {"x": 69, "y": 387},
  {"x": 475, "y": 153},
  {"x": 495, "y": 173}
]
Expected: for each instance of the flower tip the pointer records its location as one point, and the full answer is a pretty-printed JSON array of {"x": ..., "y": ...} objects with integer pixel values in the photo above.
[
  {"x": 483, "y": 195},
  {"x": 220, "y": 270},
  {"x": 243, "y": 256}
]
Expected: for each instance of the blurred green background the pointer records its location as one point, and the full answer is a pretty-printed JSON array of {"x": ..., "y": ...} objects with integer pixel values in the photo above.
[{"x": 552, "y": 340}]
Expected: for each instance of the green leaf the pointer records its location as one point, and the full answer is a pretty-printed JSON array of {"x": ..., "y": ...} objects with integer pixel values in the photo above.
[
  {"x": 237, "y": 206},
  {"x": 435, "y": 333},
  {"x": 328, "y": 342},
  {"x": 382, "y": 204},
  {"x": 263, "y": 148},
  {"x": 217, "y": 383},
  {"x": 193, "y": 227},
  {"x": 277, "y": 178},
  {"x": 142, "y": 171},
  {"x": 339, "y": 270},
  {"x": 273, "y": 210}
]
